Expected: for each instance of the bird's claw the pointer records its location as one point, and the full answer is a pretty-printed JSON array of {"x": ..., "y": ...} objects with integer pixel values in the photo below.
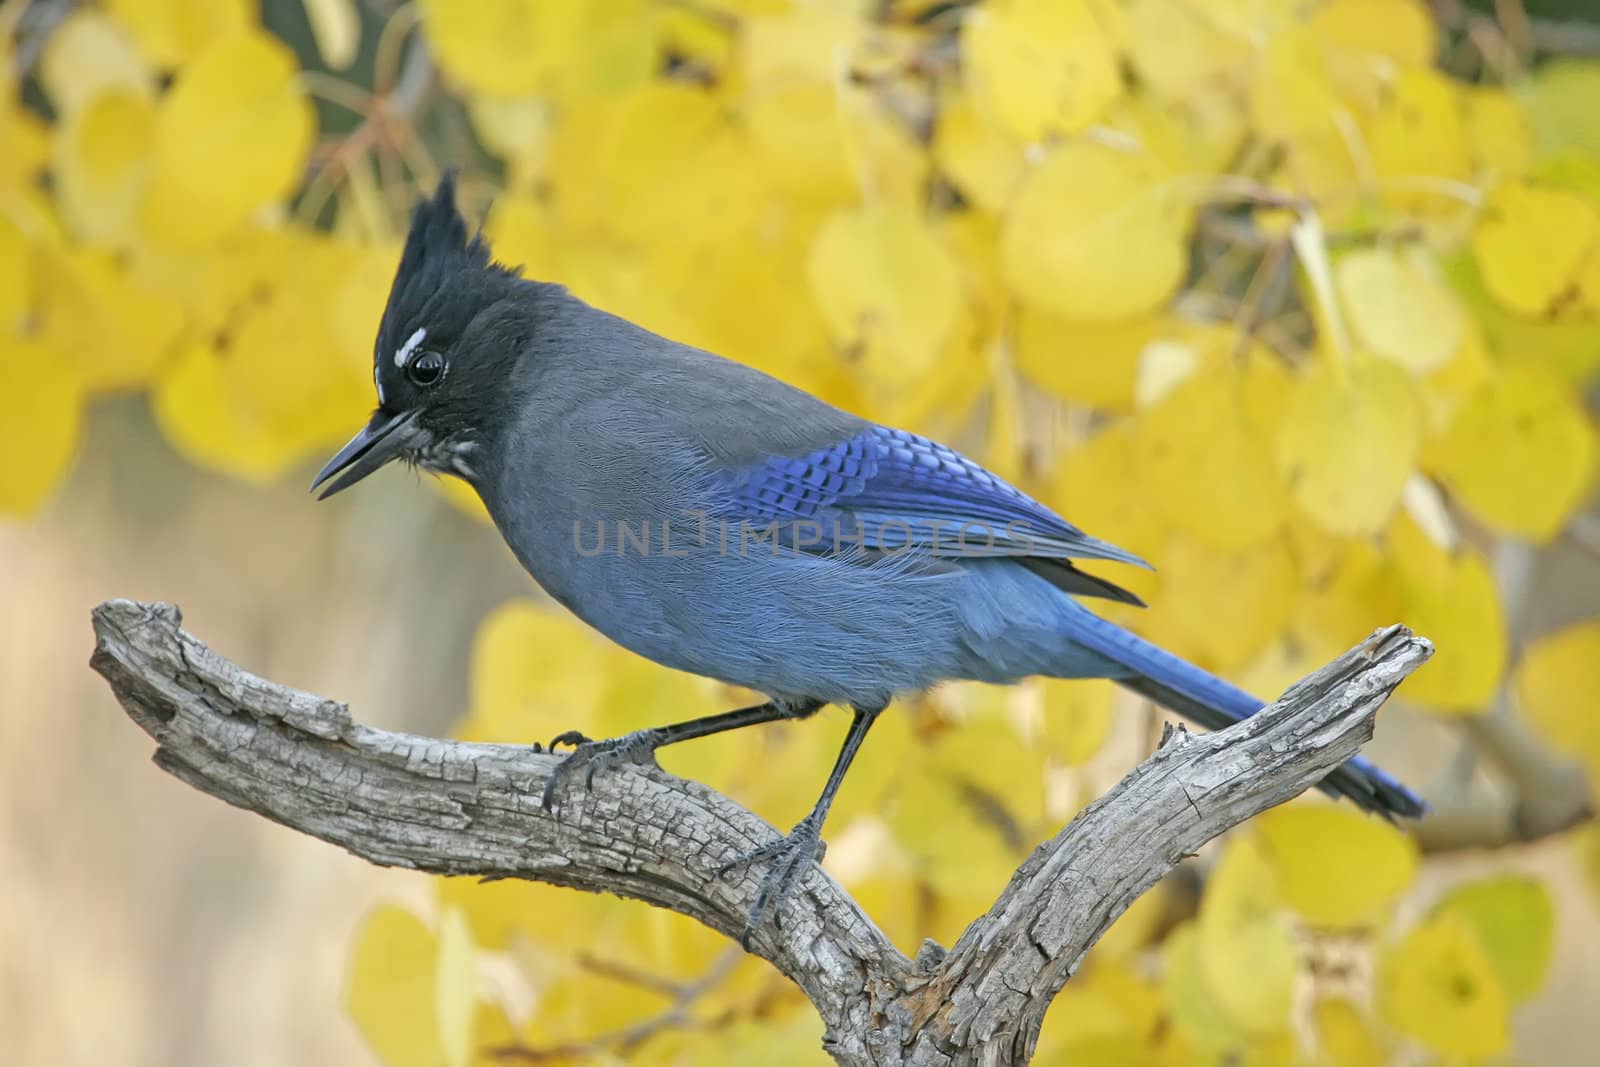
[
  {"x": 788, "y": 857},
  {"x": 571, "y": 738},
  {"x": 596, "y": 756}
]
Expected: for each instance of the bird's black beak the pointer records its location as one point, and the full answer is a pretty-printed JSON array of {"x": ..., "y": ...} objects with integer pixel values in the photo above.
[{"x": 381, "y": 440}]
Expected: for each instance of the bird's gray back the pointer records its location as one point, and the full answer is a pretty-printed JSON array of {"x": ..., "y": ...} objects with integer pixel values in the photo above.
[{"x": 605, "y": 491}]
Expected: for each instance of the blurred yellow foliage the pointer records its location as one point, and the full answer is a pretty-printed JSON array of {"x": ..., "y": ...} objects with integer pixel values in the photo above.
[
  {"x": 1438, "y": 985},
  {"x": 1252, "y": 288},
  {"x": 1334, "y": 866}
]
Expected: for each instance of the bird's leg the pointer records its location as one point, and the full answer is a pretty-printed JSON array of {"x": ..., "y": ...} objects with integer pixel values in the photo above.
[
  {"x": 640, "y": 746},
  {"x": 792, "y": 854}
]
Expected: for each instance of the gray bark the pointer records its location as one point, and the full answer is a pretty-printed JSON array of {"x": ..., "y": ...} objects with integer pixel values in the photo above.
[{"x": 474, "y": 809}]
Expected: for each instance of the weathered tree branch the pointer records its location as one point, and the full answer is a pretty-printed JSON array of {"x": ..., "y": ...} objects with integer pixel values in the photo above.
[{"x": 474, "y": 809}]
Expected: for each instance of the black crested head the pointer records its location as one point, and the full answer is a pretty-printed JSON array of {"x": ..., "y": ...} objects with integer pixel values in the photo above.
[
  {"x": 451, "y": 337},
  {"x": 443, "y": 277}
]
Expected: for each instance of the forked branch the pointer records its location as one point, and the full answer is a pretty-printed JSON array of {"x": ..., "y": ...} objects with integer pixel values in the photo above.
[{"x": 459, "y": 808}]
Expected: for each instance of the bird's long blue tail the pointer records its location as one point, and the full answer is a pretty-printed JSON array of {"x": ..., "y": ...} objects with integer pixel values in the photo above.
[{"x": 1214, "y": 703}]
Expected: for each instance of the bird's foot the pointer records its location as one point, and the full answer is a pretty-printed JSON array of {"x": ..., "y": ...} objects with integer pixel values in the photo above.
[
  {"x": 593, "y": 757},
  {"x": 788, "y": 859}
]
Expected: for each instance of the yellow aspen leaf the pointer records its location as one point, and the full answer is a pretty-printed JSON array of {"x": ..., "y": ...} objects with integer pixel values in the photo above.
[
  {"x": 1438, "y": 986},
  {"x": 1075, "y": 717},
  {"x": 1498, "y": 135},
  {"x": 238, "y": 399},
  {"x": 806, "y": 42},
  {"x": 751, "y": 301},
  {"x": 1284, "y": 661},
  {"x": 1346, "y": 1036},
  {"x": 638, "y": 692},
  {"x": 1514, "y": 920},
  {"x": 1530, "y": 243},
  {"x": 634, "y": 164},
  {"x": 1366, "y": 40},
  {"x": 1453, "y": 600},
  {"x": 1093, "y": 363},
  {"x": 1354, "y": 600},
  {"x": 45, "y": 422},
  {"x": 1208, "y": 456},
  {"x": 114, "y": 326},
  {"x": 494, "y": 911},
  {"x": 1097, "y": 485},
  {"x": 1569, "y": 346},
  {"x": 1144, "y": 921},
  {"x": 1320, "y": 167},
  {"x": 1014, "y": 778},
  {"x": 359, "y": 295},
  {"x": 1197, "y": 135},
  {"x": 198, "y": 414},
  {"x": 27, "y": 141},
  {"x": 1560, "y": 100},
  {"x": 527, "y": 657},
  {"x": 1519, "y": 453},
  {"x": 1164, "y": 365},
  {"x": 518, "y": 130},
  {"x": 1193, "y": 1008},
  {"x": 519, "y": 230},
  {"x": 1095, "y": 233},
  {"x": 662, "y": 942},
  {"x": 492, "y": 1032},
  {"x": 701, "y": 37},
  {"x": 1401, "y": 31},
  {"x": 455, "y": 987},
  {"x": 1248, "y": 960},
  {"x": 1347, "y": 442},
  {"x": 1336, "y": 867},
  {"x": 16, "y": 277},
  {"x": 1555, "y": 684},
  {"x": 974, "y": 239},
  {"x": 888, "y": 290},
  {"x": 304, "y": 394},
  {"x": 581, "y": 1004},
  {"x": 522, "y": 47},
  {"x": 1179, "y": 50},
  {"x": 956, "y": 847},
  {"x": 980, "y": 158},
  {"x": 1447, "y": 386},
  {"x": 391, "y": 988},
  {"x": 1292, "y": 94},
  {"x": 825, "y": 144},
  {"x": 1040, "y": 67},
  {"x": 173, "y": 32},
  {"x": 90, "y": 53},
  {"x": 101, "y": 158},
  {"x": 1417, "y": 132},
  {"x": 232, "y": 134},
  {"x": 1244, "y": 599},
  {"x": 1399, "y": 308},
  {"x": 1107, "y": 997}
]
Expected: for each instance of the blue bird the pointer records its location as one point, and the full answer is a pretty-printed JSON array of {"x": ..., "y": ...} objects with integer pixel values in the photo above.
[{"x": 719, "y": 521}]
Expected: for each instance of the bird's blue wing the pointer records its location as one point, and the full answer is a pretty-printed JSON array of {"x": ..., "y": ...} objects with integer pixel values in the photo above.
[{"x": 887, "y": 489}]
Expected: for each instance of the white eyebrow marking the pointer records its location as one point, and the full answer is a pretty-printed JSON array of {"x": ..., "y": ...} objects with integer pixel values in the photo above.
[{"x": 410, "y": 346}]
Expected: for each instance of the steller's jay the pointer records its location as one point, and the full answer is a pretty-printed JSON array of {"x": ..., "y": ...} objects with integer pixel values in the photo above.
[{"x": 719, "y": 521}]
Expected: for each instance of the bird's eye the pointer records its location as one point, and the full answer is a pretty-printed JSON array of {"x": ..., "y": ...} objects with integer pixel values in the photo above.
[{"x": 426, "y": 369}]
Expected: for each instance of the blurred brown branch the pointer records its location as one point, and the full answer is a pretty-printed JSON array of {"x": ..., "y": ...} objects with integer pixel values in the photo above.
[
  {"x": 1542, "y": 795},
  {"x": 473, "y": 809}
]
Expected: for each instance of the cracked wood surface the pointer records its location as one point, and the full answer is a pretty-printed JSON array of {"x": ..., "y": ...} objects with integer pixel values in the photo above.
[{"x": 462, "y": 808}]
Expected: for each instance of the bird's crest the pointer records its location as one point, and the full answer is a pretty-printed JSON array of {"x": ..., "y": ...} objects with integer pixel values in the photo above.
[{"x": 440, "y": 257}]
